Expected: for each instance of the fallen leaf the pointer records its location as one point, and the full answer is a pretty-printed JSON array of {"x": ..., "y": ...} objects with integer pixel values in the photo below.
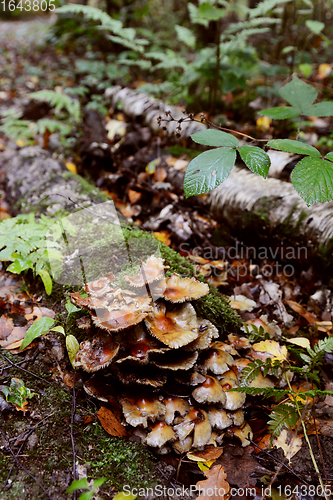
[
  {"x": 215, "y": 487},
  {"x": 160, "y": 174},
  {"x": 324, "y": 326},
  {"x": 71, "y": 167},
  {"x": 295, "y": 306},
  {"x": 133, "y": 196},
  {"x": 301, "y": 341},
  {"x": 242, "y": 303},
  {"x": 263, "y": 122},
  {"x": 40, "y": 312},
  {"x": 15, "y": 338},
  {"x": 289, "y": 442},
  {"x": 163, "y": 236},
  {"x": 209, "y": 453},
  {"x": 204, "y": 466},
  {"x": 110, "y": 423},
  {"x": 324, "y": 70},
  {"x": 273, "y": 348}
]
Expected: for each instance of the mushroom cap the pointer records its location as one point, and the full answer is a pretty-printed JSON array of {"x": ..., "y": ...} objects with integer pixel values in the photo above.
[
  {"x": 178, "y": 289},
  {"x": 244, "y": 433},
  {"x": 101, "y": 286},
  {"x": 175, "y": 360},
  {"x": 186, "y": 425},
  {"x": 218, "y": 361},
  {"x": 234, "y": 400},
  {"x": 174, "y": 405},
  {"x": 207, "y": 332},
  {"x": 237, "y": 417},
  {"x": 182, "y": 446},
  {"x": 219, "y": 418},
  {"x": 209, "y": 392},
  {"x": 119, "y": 319},
  {"x": 190, "y": 378},
  {"x": 141, "y": 375},
  {"x": 175, "y": 326},
  {"x": 151, "y": 270},
  {"x": 239, "y": 342},
  {"x": 86, "y": 302},
  {"x": 97, "y": 353},
  {"x": 202, "y": 431},
  {"x": 137, "y": 345},
  {"x": 138, "y": 410},
  {"x": 160, "y": 434}
]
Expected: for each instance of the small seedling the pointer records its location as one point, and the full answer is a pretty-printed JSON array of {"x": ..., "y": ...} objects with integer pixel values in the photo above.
[
  {"x": 18, "y": 394},
  {"x": 82, "y": 484}
]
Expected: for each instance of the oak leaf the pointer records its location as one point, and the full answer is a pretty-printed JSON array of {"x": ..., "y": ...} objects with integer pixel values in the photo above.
[
  {"x": 215, "y": 487},
  {"x": 273, "y": 348}
]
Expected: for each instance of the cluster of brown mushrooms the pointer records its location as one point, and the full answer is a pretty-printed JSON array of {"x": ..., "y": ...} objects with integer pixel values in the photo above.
[{"x": 172, "y": 372}]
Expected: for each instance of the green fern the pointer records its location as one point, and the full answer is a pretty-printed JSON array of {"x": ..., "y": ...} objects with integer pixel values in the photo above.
[
  {"x": 265, "y": 392},
  {"x": 252, "y": 370},
  {"x": 59, "y": 101},
  {"x": 23, "y": 243},
  {"x": 283, "y": 415}
]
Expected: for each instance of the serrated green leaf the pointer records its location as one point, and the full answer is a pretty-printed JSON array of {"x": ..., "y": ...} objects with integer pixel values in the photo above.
[
  {"x": 314, "y": 26},
  {"x": 255, "y": 159},
  {"x": 208, "y": 170},
  {"x": 19, "y": 265},
  {"x": 215, "y": 138},
  {"x": 280, "y": 112},
  {"x": 37, "y": 329},
  {"x": 329, "y": 156},
  {"x": 207, "y": 11},
  {"x": 324, "y": 108},
  {"x": 72, "y": 346},
  {"x": 47, "y": 280},
  {"x": 313, "y": 180},
  {"x": 291, "y": 146},
  {"x": 185, "y": 35},
  {"x": 299, "y": 94}
]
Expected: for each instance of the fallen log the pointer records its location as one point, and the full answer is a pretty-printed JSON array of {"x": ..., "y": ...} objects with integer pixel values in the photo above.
[
  {"x": 36, "y": 182},
  {"x": 272, "y": 209}
]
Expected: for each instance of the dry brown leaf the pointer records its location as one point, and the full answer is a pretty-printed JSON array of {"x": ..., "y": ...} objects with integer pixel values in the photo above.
[
  {"x": 15, "y": 339},
  {"x": 242, "y": 303},
  {"x": 160, "y": 174},
  {"x": 40, "y": 312},
  {"x": 215, "y": 487},
  {"x": 110, "y": 423},
  {"x": 289, "y": 443},
  {"x": 133, "y": 196},
  {"x": 209, "y": 453},
  {"x": 295, "y": 306}
]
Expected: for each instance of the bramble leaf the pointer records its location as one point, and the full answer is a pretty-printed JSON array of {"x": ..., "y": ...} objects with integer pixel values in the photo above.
[
  {"x": 208, "y": 170},
  {"x": 324, "y": 108},
  {"x": 313, "y": 180},
  {"x": 255, "y": 159},
  {"x": 299, "y": 94},
  {"x": 215, "y": 138},
  {"x": 280, "y": 112},
  {"x": 291, "y": 146}
]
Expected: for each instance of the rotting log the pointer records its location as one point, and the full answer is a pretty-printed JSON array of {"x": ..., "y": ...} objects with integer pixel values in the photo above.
[
  {"x": 33, "y": 181},
  {"x": 272, "y": 209}
]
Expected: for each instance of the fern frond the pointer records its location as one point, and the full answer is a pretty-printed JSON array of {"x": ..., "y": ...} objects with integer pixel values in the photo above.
[
  {"x": 266, "y": 392},
  {"x": 59, "y": 101},
  {"x": 91, "y": 13},
  {"x": 283, "y": 415}
]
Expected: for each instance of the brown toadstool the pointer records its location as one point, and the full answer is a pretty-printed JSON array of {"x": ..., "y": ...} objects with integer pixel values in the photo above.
[
  {"x": 96, "y": 353},
  {"x": 138, "y": 410},
  {"x": 209, "y": 392},
  {"x": 160, "y": 434}
]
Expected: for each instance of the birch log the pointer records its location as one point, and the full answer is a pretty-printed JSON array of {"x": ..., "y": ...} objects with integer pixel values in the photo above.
[{"x": 272, "y": 208}]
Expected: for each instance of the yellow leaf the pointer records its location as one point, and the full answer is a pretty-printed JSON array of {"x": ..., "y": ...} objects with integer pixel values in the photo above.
[
  {"x": 124, "y": 496},
  {"x": 272, "y": 347},
  {"x": 20, "y": 143},
  {"x": 301, "y": 341},
  {"x": 263, "y": 123},
  {"x": 71, "y": 167},
  {"x": 324, "y": 70},
  {"x": 203, "y": 466}
]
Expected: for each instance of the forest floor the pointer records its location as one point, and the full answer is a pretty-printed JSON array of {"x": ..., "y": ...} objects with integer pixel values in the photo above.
[{"x": 63, "y": 426}]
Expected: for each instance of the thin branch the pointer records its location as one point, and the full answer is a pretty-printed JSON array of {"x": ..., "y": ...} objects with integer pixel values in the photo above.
[
  {"x": 72, "y": 436},
  {"x": 27, "y": 371},
  {"x": 22, "y": 467}
]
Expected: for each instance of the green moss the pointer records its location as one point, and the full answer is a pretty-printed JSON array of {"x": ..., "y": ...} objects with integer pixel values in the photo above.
[{"x": 86, "y": 187}]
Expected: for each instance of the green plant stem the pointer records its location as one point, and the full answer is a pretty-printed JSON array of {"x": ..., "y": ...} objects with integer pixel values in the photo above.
[
  {"x": 299, "y": 126},
  {"x": 315, "y": 465}
]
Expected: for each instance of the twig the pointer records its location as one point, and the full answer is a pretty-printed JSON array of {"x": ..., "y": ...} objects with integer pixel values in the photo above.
[
  {"x": 72, "y": 436},
  {"x": 27, "y": 371},
  {"x": 28, "y": 433},
  {"x": 22, "y": 467}
]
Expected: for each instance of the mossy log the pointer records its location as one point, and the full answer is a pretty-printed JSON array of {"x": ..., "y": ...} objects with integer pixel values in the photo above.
[
  {"x": 36, "y": 182},
  {"x": 272, "y": 209}
]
